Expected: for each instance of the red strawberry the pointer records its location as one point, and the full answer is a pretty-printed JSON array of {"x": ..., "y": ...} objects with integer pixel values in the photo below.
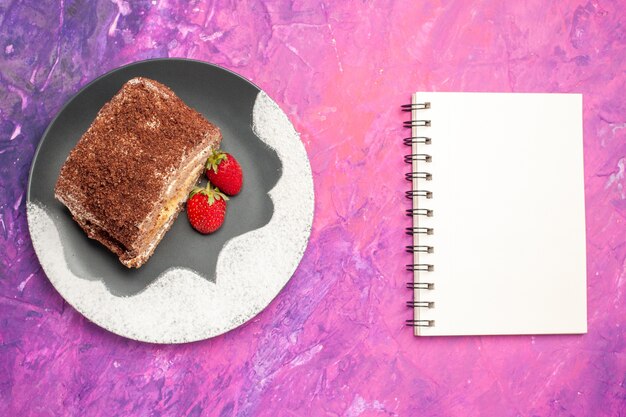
[
  {"x": 224, "y": 172},
  {"x": 206, "y": 209}
]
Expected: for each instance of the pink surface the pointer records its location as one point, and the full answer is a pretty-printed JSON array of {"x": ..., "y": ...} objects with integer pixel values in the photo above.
[{"x": 333, "y": 342}]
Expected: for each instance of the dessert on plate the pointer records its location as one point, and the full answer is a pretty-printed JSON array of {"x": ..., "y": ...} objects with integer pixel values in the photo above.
[{"x": 130, "y": 173}]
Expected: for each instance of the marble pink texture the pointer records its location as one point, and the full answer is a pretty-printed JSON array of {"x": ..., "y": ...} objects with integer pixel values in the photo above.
[{"x": 333, "y": 343}]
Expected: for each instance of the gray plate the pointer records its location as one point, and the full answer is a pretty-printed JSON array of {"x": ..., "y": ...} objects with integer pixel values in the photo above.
[{"x": 225, "y": 99}]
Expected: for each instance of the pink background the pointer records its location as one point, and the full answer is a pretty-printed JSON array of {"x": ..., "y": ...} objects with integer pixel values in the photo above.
[{"x": 333, "y": 342}]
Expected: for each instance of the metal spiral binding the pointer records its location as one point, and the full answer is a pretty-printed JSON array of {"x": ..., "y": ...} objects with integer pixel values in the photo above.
[
  {"x": 417, "y": 123},
  {"x": 413, "y": 159},
  {"x": 419, "y": 212},
  {"x": 423, "y": 140},
  {"x": 420, "y": 248},
  {"x": 420, "y": 285},
  {"x": 423, "y": 304},
  {"x": 419, "y": 230},
  {"x": 415, "y": 106},
  {"x": 420, "y": 267},
  {"x": 410, "y": 176},
  {"x": 418, "y": 193},
  {"x": 420, "y": 323}
]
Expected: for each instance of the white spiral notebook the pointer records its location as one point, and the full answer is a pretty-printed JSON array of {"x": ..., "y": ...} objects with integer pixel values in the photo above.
[{"x": 498, "y": 214}]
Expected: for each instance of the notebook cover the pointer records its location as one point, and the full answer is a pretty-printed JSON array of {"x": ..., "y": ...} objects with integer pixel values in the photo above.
[{"x": 508, "y": 214}]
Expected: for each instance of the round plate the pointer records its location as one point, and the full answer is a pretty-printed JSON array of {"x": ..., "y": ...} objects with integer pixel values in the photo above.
[{"x": 194, "y": 286}]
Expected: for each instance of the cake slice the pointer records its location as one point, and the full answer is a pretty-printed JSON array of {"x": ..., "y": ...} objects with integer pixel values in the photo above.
[{"x": 128, "y": 176}]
